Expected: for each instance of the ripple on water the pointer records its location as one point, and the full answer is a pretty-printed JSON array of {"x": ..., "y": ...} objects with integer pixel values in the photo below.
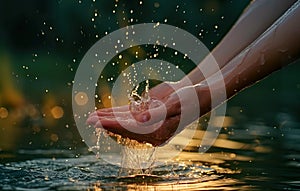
[
  {"x": 233, "y": 163},
  {"x": 88, "y": 172}
]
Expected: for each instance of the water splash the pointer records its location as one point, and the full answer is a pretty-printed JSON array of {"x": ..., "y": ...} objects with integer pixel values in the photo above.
[
  {"x": 136, "y": 158},
  {"x": 96, "y": 148}
]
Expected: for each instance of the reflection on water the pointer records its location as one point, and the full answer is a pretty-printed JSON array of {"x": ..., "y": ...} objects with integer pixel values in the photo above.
[
  {"x": 254, "y": 157},
  {"x": 89, "y": 173}
]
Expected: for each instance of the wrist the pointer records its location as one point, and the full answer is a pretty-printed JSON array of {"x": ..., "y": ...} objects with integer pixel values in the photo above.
[
  {"x": 185, "y": 81},
  {"x": 204, "y": 97},
  {"x": 210, "y": 96}
]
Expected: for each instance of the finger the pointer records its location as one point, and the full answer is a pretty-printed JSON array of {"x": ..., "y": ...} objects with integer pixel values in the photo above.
[
  {"x": 162, "y": 112},
  {"x": 114, "y": 127},
  {"x": 99, "y": 116},
  {"x": 110, "y": 111},
  {"x": 104, "y": 112},
  {"x": 154, "y": 114},
  {"x": 113, "y": 114},
  {"x": 92, "y": 120},
  {"x": 115, "y": 109}
]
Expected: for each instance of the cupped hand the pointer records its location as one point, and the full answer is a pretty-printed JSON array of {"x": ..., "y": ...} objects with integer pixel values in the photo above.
[
  {"x": 157, "y": 124},
  {"x": 159, "y": 92}
]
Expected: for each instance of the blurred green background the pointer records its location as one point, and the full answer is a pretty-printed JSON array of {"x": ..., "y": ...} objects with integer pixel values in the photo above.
[{"x": 42, "y": 43}]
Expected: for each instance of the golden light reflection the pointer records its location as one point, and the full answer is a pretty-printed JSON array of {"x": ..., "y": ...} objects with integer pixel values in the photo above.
[
  {"x": 57, "y": 112},
  {"x": 202, "y": 183},
  {"x": 54, "y": 137},
  {"x": 81, "y": 98},
  {"x": 222, "y": 121},
  {"x": 3, "y": 113}
]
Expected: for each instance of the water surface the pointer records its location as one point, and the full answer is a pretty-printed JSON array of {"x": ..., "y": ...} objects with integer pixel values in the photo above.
[{"x": 256, "y": 158}]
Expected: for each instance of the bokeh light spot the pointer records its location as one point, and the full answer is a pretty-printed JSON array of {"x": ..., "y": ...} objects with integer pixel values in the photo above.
[
  {"x": 57, "y": 112},
  {"x": 3, "y": 112},
  {"x": 81, "y": 98},
  {"x": 54, "y": 137}
]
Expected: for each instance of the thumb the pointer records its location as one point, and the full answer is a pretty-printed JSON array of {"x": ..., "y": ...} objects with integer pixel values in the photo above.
[
  {"x": 154, "y": 114},
  {"x": 159, "y": 110}
]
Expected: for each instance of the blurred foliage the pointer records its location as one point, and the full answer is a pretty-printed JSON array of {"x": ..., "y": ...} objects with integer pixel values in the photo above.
[{"x": 42, "y": 43}]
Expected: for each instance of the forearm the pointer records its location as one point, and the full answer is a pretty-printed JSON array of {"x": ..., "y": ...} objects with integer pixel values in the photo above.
[
  {"x": 277, "y": 47},
  {"x": 259, "y": 16}
]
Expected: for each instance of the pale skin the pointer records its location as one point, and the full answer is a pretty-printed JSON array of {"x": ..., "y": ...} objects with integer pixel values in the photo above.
[{"x": 245, "y": 56}]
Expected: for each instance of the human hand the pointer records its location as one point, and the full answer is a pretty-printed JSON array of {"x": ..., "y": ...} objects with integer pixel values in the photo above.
[
  {"x": 106, "y": 117},
  {"x": 159, "y": 92},
  {"x": 157, "y": 124}
]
